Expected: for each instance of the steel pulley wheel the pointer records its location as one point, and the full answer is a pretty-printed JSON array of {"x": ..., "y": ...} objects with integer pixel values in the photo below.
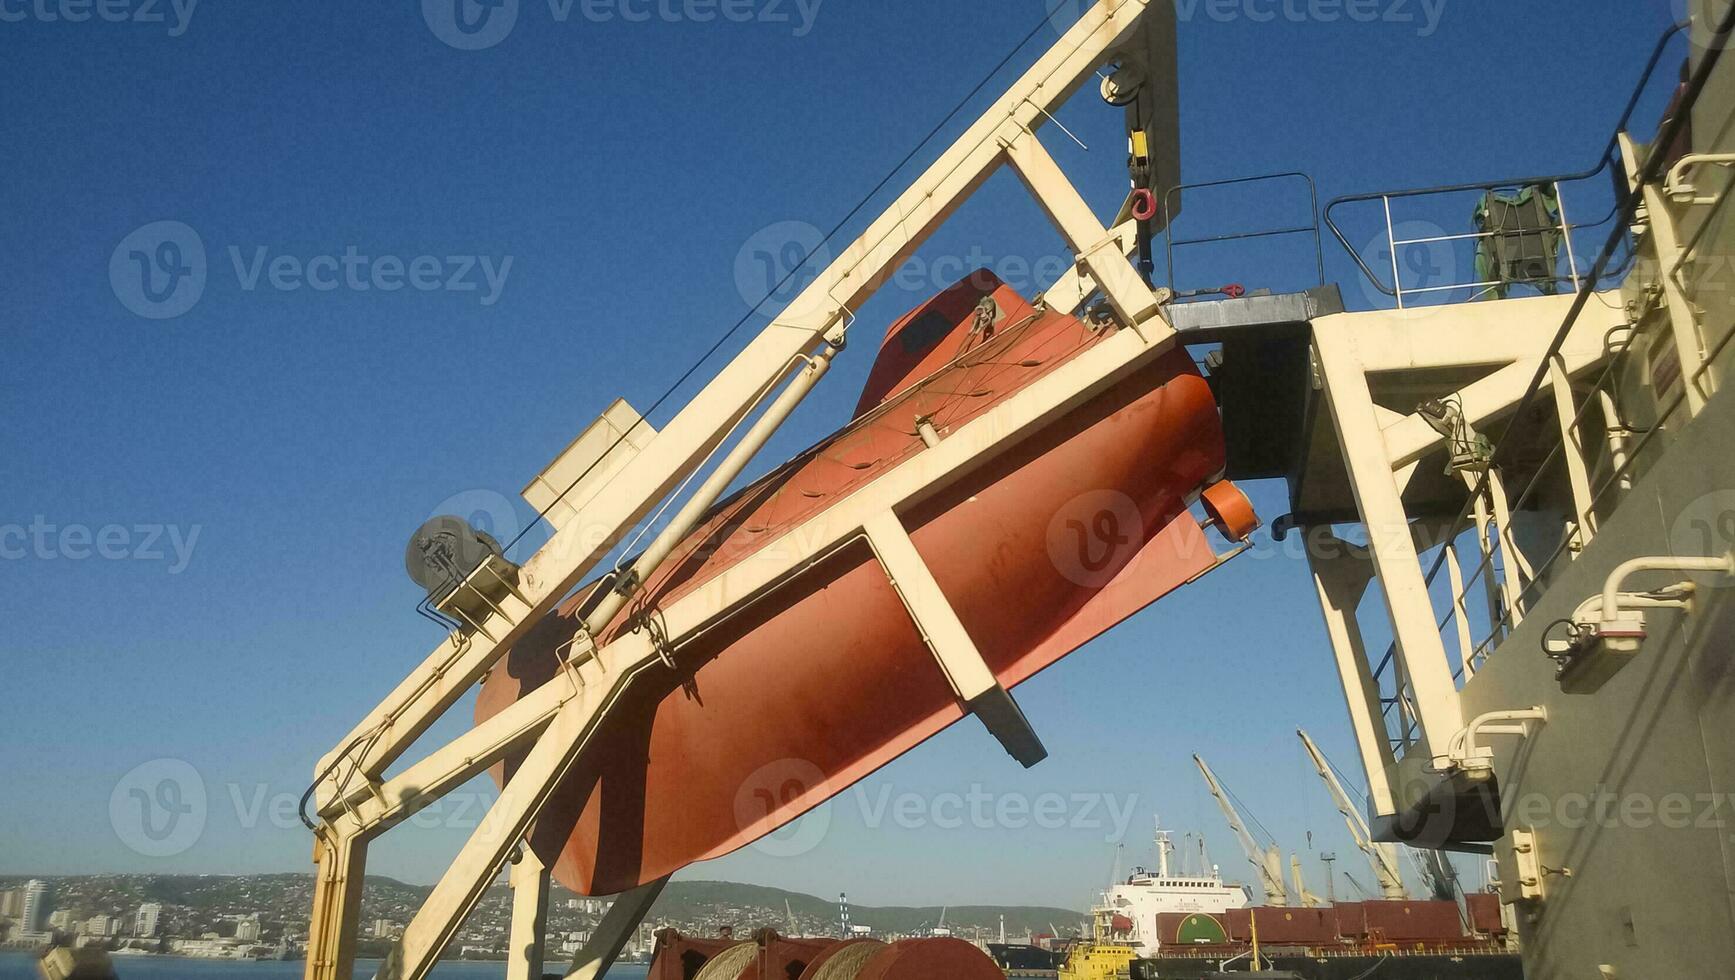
[
  {"x": 843, "y": 961},
  {"x": 931, "y": 959},
  {"x": 731, "y": 964}
]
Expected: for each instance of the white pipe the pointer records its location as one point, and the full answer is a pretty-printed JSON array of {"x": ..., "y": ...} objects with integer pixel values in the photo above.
[
  {"x": 1617, "y": 438},
  {"x": 1655, "y": 563},
  {"x": 694, "y": 509},
  {"x": 1682, "y": 192},
  {"x": 1465, "y": 741},
  {"x": 925, "y": 429},
  {"x": 1591, "y": 608}
]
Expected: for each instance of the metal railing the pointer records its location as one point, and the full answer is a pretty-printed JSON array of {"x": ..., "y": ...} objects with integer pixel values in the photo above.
[
  {"x": 1610, "y": 157},
  {"x": 1476, "y": 288},
  {"x": 1171, "y": 242},
  {"x": 1509, "y": 581}
]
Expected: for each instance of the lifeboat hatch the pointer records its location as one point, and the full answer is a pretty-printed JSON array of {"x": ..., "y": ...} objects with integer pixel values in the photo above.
[{"x": 968, "y": 313}]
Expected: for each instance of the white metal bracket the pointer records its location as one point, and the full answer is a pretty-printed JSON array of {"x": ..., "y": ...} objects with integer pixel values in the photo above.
[{"x": 970, "y": 676}]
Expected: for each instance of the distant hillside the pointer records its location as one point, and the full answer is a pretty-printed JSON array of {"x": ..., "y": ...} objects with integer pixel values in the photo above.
[
  {"x": 195, "y": 904},
  {"x": 702, "y": 900}
]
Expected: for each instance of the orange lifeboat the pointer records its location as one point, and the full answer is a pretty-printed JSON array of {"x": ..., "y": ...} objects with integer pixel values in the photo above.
[{"x": 809, "y": 689}]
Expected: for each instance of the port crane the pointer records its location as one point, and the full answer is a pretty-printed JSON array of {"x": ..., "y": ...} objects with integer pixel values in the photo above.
[
  {"x": 1436, "y": 870},
  {"x": 1308, "y": 899},
  {"x": 1382, "y": 857},
  {"x": 1267, "y": 862}
]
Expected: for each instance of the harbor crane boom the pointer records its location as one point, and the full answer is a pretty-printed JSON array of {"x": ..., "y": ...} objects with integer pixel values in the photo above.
[
  {"x": 1307, "y": 899},
  {"x": 1268, "y": 862},
  {"x": 1437, "y": 871},
  {"x": 1382, "y": 858}
]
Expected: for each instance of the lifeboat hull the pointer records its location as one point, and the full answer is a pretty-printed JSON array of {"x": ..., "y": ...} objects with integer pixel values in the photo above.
[{"x": 814, "y": 686}]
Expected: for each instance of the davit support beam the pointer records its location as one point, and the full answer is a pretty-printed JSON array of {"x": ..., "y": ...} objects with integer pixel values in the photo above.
[{"x": 355, "y": 800}]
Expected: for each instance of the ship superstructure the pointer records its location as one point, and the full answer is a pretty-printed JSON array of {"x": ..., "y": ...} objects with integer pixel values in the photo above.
[{"x": 1129, "y": 908}]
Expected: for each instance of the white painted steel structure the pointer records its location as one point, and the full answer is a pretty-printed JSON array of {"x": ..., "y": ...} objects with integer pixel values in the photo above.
[{"x": 357, "y": 800}]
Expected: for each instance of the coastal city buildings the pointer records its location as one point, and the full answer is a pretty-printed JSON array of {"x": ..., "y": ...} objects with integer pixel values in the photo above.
[
  {"x": 148, "y": 919},
  {"x": 11, "y": 904},
  {"x": 34, "y": 916},
  {"x": 260, "y": 917}
]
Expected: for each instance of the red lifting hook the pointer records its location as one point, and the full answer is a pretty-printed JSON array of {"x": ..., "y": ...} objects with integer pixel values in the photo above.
[{"x": 1144, "y": 204}]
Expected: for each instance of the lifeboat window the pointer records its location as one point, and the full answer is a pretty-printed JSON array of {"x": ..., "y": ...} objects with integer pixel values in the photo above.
[{"x": 925, "y": 332}]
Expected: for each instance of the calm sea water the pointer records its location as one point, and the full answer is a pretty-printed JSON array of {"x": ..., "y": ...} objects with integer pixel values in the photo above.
[{"x": 18, "y": 966}]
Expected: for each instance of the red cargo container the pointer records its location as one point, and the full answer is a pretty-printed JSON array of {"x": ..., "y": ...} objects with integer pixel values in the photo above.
[
  {"x": 1413, "y": 922},
  {"x": 1352, "y": 920},
  {"x": 1485, "y": 913},
  {"x": 1290, "y": 926}
]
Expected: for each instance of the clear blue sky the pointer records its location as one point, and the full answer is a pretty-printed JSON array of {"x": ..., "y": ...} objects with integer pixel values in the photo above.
[{"x": 624, "y": 167}]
